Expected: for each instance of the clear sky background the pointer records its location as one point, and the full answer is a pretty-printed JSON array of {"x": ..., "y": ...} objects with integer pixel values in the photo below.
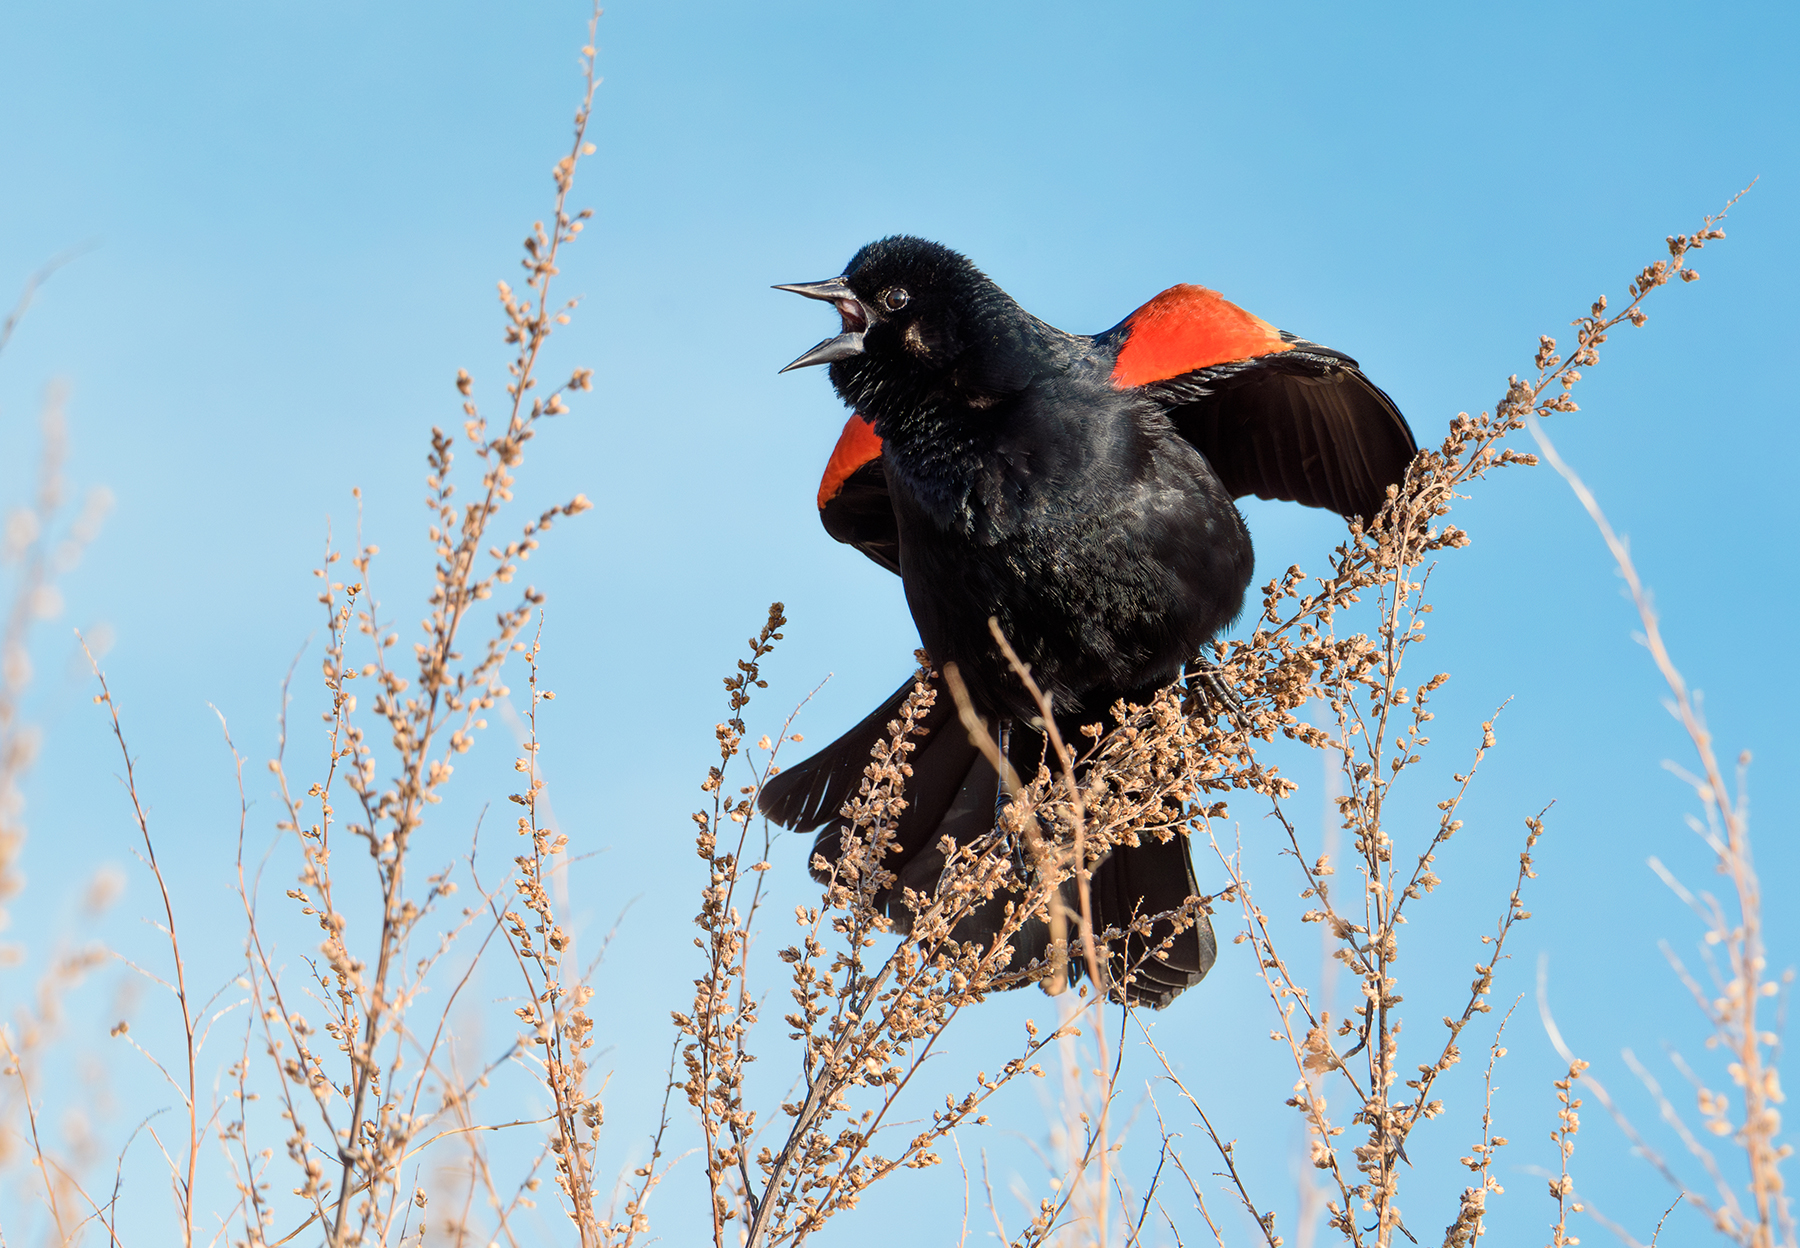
[{"x": 296, "y": 216}]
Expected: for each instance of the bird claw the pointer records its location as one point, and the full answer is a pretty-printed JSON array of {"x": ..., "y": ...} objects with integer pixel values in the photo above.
[
  {"x": 1003, "y": 743},
  {"x": 1204, "y": 675}
]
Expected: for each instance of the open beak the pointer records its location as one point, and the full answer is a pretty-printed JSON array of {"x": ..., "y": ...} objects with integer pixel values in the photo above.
[{"x": 835, "y": 291}]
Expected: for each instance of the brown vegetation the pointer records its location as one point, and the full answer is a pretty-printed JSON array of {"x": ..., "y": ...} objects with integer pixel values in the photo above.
[{"x": 367, "y": 1078}]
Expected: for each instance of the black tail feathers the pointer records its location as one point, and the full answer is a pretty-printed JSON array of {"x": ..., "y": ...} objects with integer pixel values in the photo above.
[{"x": 952, "y": 793}]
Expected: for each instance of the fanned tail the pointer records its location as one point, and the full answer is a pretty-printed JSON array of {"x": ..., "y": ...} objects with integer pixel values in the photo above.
[
  {"x": 952, "y": 793},
  {"x": 1150, "y": 878}
]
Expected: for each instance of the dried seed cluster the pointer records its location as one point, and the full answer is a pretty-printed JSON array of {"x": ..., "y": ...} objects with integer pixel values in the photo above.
[
  {"x": 868, "y": 1009},
  {"x": 360, "y": 1066}
]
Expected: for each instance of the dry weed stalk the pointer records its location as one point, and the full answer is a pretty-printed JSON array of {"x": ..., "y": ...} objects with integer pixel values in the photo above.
[
  {"x": 1469, "y": 1225},
  {"x": 1380, "y": 728},
  {"x": 1762, "y": 1216},
  {"x": 556, "y": 1015},
  {"x": 194, "y": 1025},
  {"x": 383, "y": 1085},
  {"x": 1568, "y": 1125},
  {"x": 872, "y": 998},
  {"x": 41, "y": 543},
  {"x": 865, "y": 1022}
]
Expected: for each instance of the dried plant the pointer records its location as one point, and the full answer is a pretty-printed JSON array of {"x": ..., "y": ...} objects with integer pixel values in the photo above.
[
  {"x": 361, "y": 1074},
  {"x": 864, "y": 1023},
  {"x": 376, "y": 1113},
  {"x": 383, "y": 1085},
  {"x": 1295, "y": 657},
  {"x": 1568, "y": 1125},
  {"x": 42, "y": 542},
  {"x": 1739, "y": 980},
  {"x": 865, "y": 1020}
]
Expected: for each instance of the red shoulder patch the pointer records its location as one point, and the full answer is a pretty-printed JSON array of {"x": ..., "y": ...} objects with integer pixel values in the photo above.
[
  {"x": 1187, "y": 328},
  {"x": 856, "y": 446}
]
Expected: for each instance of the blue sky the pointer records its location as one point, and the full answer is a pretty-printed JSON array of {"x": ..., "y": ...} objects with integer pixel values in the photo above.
[{"x": 296, "y": 215}]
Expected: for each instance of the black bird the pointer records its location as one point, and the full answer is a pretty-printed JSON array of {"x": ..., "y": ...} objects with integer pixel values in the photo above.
[{"x": 1078, "y": 490}]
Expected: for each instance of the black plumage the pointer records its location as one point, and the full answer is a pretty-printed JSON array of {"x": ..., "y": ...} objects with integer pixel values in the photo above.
[{"x": 1078, "y": 490}]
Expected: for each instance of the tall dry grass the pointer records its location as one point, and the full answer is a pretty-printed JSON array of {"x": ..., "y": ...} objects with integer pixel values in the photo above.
[
  {"x": 44, "y": 538},
  {"x": 346, "y": 1078}
]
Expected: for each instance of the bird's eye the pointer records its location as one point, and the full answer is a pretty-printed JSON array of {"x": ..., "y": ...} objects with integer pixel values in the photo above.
[{"x": 895, "y": 298}]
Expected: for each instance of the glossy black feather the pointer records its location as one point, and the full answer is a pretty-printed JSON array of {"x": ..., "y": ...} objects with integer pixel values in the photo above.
[
  {"x": 861, "y": 514},
  {"x": 1094, "y": 523},
  {"x": 952, "y": 794},
  {"x": 1304, "y": 426},
  {"x": 1154, "y": 877}
]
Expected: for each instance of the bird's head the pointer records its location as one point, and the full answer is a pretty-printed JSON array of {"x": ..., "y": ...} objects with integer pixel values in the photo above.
[{"x": 920, "y": 323}]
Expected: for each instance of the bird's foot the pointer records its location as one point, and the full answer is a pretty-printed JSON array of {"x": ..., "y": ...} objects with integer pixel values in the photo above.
[
  {"x": 1003, "y": 740},
  {"x": 1204, "y": 677}
]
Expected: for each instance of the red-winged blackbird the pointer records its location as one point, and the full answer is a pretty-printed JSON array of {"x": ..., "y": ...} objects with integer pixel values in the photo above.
[{"x": 1079, "y": 491}]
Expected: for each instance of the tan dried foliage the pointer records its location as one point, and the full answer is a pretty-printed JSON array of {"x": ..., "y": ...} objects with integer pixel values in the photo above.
[{"x": 360, "y": 1062}]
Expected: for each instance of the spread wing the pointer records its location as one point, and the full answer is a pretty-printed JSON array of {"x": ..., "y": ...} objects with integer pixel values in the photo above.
[
  {"x": 1275, "y": 415},
  {"x": 853, "y": 497}
]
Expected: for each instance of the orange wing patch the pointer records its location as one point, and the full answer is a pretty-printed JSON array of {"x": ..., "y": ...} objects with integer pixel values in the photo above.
[
  {"x": 856, "y": 446},
  {"x": 1187, "y": 328}
]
